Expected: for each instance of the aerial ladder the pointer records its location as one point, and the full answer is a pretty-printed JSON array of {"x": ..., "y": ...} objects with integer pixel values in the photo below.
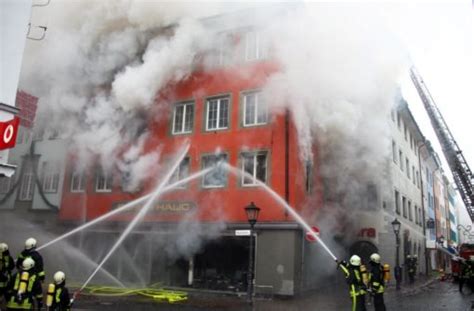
[{"x": 463, "y": 176}]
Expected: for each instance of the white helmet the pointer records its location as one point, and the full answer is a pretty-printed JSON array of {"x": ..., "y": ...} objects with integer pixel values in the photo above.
[
  {"x": 30, "y": 243},
  {"x": 27, "y": 264},
  {"x": 408, "y": 256},
  {"x": 3, "y": 247},
  {"x": 355, "y": 260},
  {"x": 375, "y": 258},
  {"x": 59, "y": 277}
]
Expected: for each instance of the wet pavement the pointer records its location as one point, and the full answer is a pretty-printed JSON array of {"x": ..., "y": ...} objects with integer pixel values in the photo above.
[{"x": 431, "y": 295}]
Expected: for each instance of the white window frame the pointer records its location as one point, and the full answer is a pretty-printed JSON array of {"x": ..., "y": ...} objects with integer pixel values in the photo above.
[
  {"x": 259, "y": 52},
  {"x": 225, "y": 158},
  {"x": 81, "y": 181},
  {"x": 178, "y": 173},
  {"x": 27, "y": 187},
  {"x": 256, "y": 109},
  {"x": 253, "y": 182},
  {"x": 218, "y": 116},
  {"x": 50, "y": 177},
  {"x": 183, "y": 130},
  {"x": 106, "y": 176}
]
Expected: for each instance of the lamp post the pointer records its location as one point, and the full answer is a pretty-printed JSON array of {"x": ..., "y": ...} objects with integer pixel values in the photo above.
[
  {"x": 252, "y": 215},
  {"x": 398, "y": 270}
]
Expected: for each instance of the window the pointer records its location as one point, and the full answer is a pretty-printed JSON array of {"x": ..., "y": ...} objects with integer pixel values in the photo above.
[
  {"x": 255, "y": 47},
  {"x": 420, "y": 217},
  {"x": 183, "y": 118},
  {"x": 181, "y": 172},
  {"x": 394, "y": 151},
  {"x": 27, "y": 187},
  {"x": 255, "y": 109},
  {"x": 416, "y": 215},
  {"x": 399, "y": 120},
  {"x": 397, "y": 202},
  {"x": 5, "y": 185},
  {"x": 218, "y": 177},
  {"x": 78, "y": 180},
  {"x": 411, "y": 140},
  {"x": 415, "y": 145},
  {"x": 410, "y": 215},
  {"x": 217, "y": 113},
  {"x": 405, "y": 130},
  {"x": 50, "y": 174},
  {"x": 255, "y": 165},
  {"x": 418, "y": 179},
  {"x": 103, "y": 181},
  {"x": 404, "y": 206},
  {"x": 400, "y": 156},
  {"x": 413, "y": 175},
  {"x": 407, "y": 166},
  {"x": 38, "y": 134}
]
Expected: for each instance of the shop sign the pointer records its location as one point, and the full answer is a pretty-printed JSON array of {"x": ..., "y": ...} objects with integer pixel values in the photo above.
[
  {"x": 242, "y": 232},
  {"x": 367, "y": 233}
]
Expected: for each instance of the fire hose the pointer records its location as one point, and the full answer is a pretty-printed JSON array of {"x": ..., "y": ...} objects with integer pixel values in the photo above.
[{"x": 150, "y": 292}]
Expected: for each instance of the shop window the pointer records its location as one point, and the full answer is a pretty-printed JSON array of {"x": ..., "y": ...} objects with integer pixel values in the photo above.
[
  {"x": 218, "y": 176},
  {"x": 255, "y": 109},
  {"x": 217, "y": 113},
  {"x": 255, "y": 165},
  {"x": 5, "y": 183},
  {"x": 183, "y": 118}
]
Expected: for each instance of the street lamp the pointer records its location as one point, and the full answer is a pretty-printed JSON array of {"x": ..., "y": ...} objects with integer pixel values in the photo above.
[
  {"x": 398, "y": 270},
  {"x": 252, "y": 215}
]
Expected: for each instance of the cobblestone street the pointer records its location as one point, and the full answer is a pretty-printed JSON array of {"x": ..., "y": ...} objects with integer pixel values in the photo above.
[{"x": 432, "y": 295}]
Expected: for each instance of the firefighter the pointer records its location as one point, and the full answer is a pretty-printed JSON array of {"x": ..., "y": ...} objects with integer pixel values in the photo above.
[
  {"x": 31, "y": 252},
  {"x": 6, "y": 268},
  {"x": 411, "y": 268},
  {"x": 24, "y": 289},
  {"x": 357, "y": 287},
  {"x": 58, "y": 295},
  {"x": 377, "y": 281},
  {"x": 415, "y": 263},
  {"x": 467, "y": 273}
]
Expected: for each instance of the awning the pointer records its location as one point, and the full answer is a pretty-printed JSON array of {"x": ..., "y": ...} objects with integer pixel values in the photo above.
[{"x": 7, "y": 170}]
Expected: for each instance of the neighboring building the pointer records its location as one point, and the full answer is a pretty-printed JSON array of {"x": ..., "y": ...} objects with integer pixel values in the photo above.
[
  {"x": 225, "y": 117},
  {"x": 453, "y": 236}
]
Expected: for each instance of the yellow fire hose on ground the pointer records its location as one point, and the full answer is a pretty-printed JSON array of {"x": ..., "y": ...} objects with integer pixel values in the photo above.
[{"x": 150, "y": 292}]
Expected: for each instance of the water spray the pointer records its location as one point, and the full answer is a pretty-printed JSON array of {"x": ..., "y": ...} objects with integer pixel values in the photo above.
[
  {"x": 125, "y": 207},
  {"x": 288, "y": 208},
  {"x": 137, "y": 218}
]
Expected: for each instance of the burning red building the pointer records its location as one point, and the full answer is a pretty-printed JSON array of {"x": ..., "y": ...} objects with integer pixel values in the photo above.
[{"x": 224, "y": 116}]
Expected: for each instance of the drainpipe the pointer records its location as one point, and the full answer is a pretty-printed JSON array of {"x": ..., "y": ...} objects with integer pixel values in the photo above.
[{"x": 287, "y": 158}]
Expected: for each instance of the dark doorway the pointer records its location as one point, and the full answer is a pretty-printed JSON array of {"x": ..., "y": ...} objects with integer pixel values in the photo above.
[
  {"x": 363, "y": 249},
  {"x": 222, "y": 264}
]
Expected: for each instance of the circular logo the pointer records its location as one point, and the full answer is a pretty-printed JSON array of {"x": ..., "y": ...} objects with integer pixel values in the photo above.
[{"x": 8, "y": 134}]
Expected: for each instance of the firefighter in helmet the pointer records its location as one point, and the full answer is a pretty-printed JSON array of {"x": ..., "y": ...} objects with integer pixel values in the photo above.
[
  {"x": 31, "y": 252},
  {"x": 24, "y": 289},
  {"x": 410, "y": 263},
  {"x": 357, "y": 288},
  {"x": 467, "y": 273},
  {"x": 6, "y": 268},
  {"x": 58, "y": 295},
  {"x": 377, "y": 281}
]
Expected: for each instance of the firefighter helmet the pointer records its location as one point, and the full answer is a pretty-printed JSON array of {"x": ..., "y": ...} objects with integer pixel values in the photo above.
[
  {"x": 27, "y": 264},
  {"x": 408, "y": 256},
  {"x": 375, "y": 258},
  {"x": 355, "y": 260},
  {"x": 59, "y": 277},
  {"x": 471, "y": 258},
  {"x": 3, "y": 247},
  {"x": 30, "y": 243}
]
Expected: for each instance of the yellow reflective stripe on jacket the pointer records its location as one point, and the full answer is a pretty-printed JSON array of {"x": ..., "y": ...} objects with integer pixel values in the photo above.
[
  {"x": 31, "y": 282},
  {"x": 17, "y": 282},
  {"x": 345, "y": 270},
  {"x": 57, "y": 297}
]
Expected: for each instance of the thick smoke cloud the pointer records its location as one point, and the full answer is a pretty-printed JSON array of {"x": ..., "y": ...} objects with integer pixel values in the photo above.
[{"x": 103, "y": 63}]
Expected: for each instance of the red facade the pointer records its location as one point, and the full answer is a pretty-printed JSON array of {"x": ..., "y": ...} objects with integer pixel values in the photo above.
[{"x": 214, "y": 204}]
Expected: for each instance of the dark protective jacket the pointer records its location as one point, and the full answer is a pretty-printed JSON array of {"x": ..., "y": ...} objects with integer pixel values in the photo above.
[
  {"x": 33, "y": 254},
  {"x": 26, "y": 300},
  {"x": 6, "y": 268},
  {"x": 61, "y": 299},
  {"x": 376, "y": 281},
  {"x": 353, "y": 279}
]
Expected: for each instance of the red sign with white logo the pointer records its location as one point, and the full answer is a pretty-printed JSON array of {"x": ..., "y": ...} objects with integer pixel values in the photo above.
[
  {"x": 8, "y": 132},
  {"x": 310, "y": 235}
]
